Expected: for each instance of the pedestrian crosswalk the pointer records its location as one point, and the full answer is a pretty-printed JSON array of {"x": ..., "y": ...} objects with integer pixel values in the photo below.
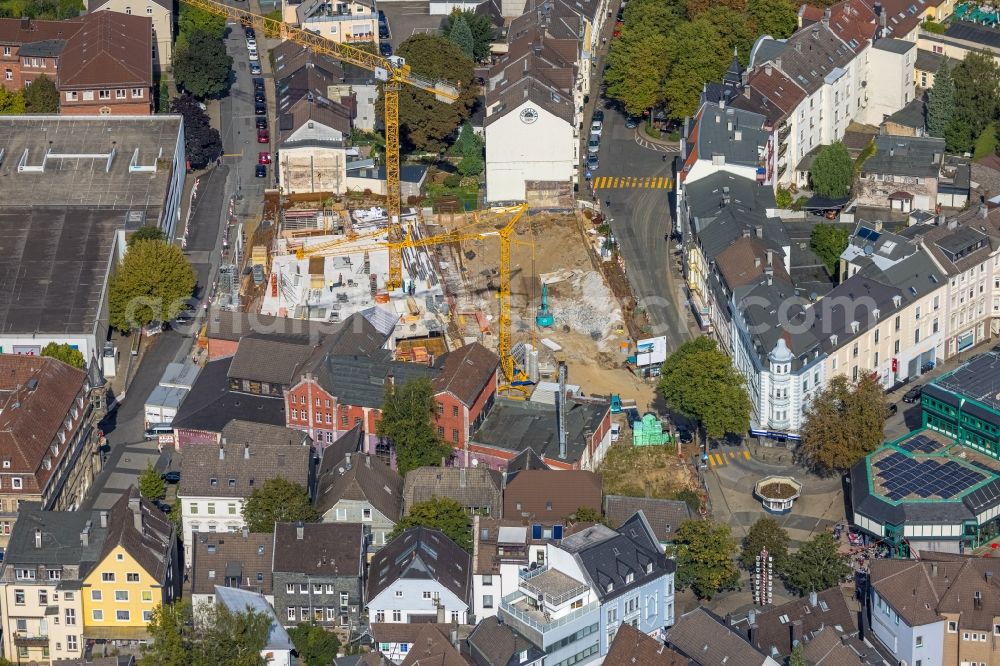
[
  {"x": 724, "y": 457},
  {"x": 633, "y": 182}
]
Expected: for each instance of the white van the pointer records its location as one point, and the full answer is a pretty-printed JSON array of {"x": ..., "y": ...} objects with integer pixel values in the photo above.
[
  {"x": 156, "y": 429},
  {"x": 616, "y": 431}
]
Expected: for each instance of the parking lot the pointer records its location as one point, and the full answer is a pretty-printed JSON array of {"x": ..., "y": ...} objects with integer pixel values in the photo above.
[{"x": 409, "y": 18}]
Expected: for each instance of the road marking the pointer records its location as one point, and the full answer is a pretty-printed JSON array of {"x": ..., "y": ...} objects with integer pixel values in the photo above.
[
  {"x": 232, "y": 154},
  {"x": 746, "y": 454},
  {"x": 633, "y": 182},
  {"x": 732, "y": 454}
]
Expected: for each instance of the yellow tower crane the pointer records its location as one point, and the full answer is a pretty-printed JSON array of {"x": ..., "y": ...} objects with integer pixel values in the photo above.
[
  {"x": 393, "y": 72},
  {"x": 503, "y": 221}
]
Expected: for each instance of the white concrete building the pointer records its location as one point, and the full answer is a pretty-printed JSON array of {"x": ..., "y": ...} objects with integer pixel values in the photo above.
[{"x": 890, "y": 78}]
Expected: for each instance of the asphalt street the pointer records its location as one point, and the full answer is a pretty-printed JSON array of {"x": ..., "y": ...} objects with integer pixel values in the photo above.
[
  {"x": 632, "y": 176},
  {"x": 124, "y": 427}
]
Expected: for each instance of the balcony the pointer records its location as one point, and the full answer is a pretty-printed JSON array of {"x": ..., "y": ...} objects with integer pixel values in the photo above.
[
  {"x": 29, "y": 639},
  {"x": 536, "y": 624},
  {"x": 784, "y": 132},
  {"x": 552, "y": 587}
]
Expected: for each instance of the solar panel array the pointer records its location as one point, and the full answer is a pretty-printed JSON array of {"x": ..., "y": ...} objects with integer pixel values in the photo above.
[
  {"x": 869, "y": 235},
  {"x": 922, "y": 444},
  {"x": 902, "y": 476}
]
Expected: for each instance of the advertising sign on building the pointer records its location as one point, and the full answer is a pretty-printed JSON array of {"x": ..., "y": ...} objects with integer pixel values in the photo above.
[{"x": 652, "y": 351}]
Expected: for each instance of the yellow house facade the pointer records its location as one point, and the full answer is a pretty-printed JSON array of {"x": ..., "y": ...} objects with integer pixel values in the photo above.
[{"x": 136, "y": 572}]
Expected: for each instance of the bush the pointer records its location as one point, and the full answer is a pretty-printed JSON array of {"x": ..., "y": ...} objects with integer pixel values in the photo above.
[
  {"x": 783, "y": 198},
  {"x": 452, "y": 180},
  {"x": 934, "y": 27}
]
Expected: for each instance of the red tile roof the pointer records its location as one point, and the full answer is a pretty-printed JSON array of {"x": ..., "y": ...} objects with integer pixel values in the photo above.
[
  {"x": 109, "y": 50},
  {"x": 32, "y": 418},
  {"x": 20, "y": 31},
  {"x": 776, "y": 88}
]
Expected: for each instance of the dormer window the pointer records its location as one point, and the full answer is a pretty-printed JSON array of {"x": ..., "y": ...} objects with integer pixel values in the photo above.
[
  {"x": 897, "y": 300},
  {"x": 629, "y": 577},
  {"x": 649, "y": 567},
  {"x": 833, "y": 339},
  {"x": 232, "y": 483},
  {"x": 213, "y": 482},
  {"x": 610, "y": 587},
  {"x": 855, "y": 326}
]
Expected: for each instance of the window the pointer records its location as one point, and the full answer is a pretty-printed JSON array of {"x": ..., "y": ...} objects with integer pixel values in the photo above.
[
  {"x": 303, "y": 588},
  {"x": 6, "y": 50},
  {"x": 149, "y": 11},
  {"x": 397, "y": 616},
  {"x": 317, "y": 588},
  {"x": 71, "y": 643},
  {"x": 366, "y": 514},
  {"x": 25, "y": 574},
  {"x": 121, "y": 595},
  {"x": 122, "y": 615},
  {"x": 399, "y": 594},
  {"x": 291, "y": 613},
  {"x": 43, "y": 597},
  {"x": 427, "y": 594},
  {"x": 193, "y": 509},
  {"x": 147, "y": 595},
  {"x": 231, "y": 508},
  {"x": 612, "y": 616},
  {"x": 104, "y": 94},
  {"x": 454, "y": 410},
  {"x": 8, "y": 74},
  {"x": 211, "y": 508},
  {"x": 380, "y": 617},
  {"x": 108, "y": 577},
  {"x": 120, "y": 93},
  {"x": 920, "y": 641},
  {"x": 341, "y": 514},
  {"x": 88, "y": 95},
  {"x": 95, "y": 595},
  {"x": 487, "y": 580},
  {"x": 344, "y": 599},
  {"x": 454, "y": 434},
  {"x": 454, "y": 617},
  {"x": 70, "y": 617},
  {"x": 128, "y": 10},
  {"x": 71, "y": 95},
  {"x": 132, "y": 578},
  {"x": 487, "y": 601},
  {"x": 19, "y": 597},
  {"x": 952, "y": 627},
  {"x": 97, "y": 615},
  {"x": 290, "y": 588},
  {"x": 147, "y": 616}
]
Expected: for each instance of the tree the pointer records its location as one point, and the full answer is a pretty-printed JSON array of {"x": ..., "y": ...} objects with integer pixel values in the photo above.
[
  {"x": 41, "y": 96},
  {"x": 700, "y": 382},
  {"x": 201, "y": 65},
  {"x": 65, "y": 353},
  {"x": 407, "y": 419},
  {"x": 153, "y": 282},
  {"x": 425, "y": 123},
  {"x": 202, "y": 142},
  {"x": 585, "y": 514},
  {"x": 278, "y": 501},
  {"x": 705, "y": 552},
  {"x": 193, "y": 19},
  {"x": 316, "y": 646},
  {"x": 695, "y": 55},
  {"x": 483, "y": 32},
  {"x": 833, "y": 171},
  {"x": 472, "y": 163},
  {"x": 439, "y": 513},
  {"x": 777, "y": 18},
  {"x": 940, "y": 102},
  {"x": 461, "y": 36},
  {"x": 829, "y": 241},
  {"x": 233, "y": 639},
  {"x": 151, "y": 484},
  {"x": 11, "y": 103},
  {"x": 765, "y": 533},
  {"x": 173, "y": 636},
  {"x": 146, "y": 232},
  {"x": 797, "y": 658},
  {"x": 55, "y": 10},
  {"x": 818, "y": 565},
  {"x": 843, "y": 423},
  {"x": 695, "y": 8},
  {"x": 637, "y": 65},
  {"x": 977, "y": 90},
  {"x": 958, "y": 136},
  {"x": 689, "y": 497}
]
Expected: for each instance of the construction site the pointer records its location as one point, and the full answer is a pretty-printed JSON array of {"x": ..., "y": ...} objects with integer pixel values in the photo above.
[{"x": 323, "y": 258}]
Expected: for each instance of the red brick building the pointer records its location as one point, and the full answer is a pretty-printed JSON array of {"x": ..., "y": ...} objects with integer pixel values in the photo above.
[{"x": 101, "y": 63}]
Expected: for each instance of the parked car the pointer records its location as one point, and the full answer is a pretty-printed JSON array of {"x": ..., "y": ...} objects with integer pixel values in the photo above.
[
  {"x": 594, "y": 144},
  {"x": 631, "y": 122},
  {"x": 258, "y": 84},
  {"x": 264, "y": 157},
  {"x": 383, "y": 31},
  {"x": 593, "y": 163},
  {"x": 184, "y": 318},
  {"x": 162, "y": 506},
  {"x": 261, "y": 122},
  {"x": 260, "y": 109},
  {"x": 598, "y": 115},
  {"x": 616, "y": 432},
  {"x": 258, "y": 97},
  {"x": 156, "y": 429},
  {"x": 255, "y": 68},
  {"x": 913, "y": 394},
  {"x": 891, "y": 409},
  {"x": 249, "y": 33},
  {"x": 154, "y": 328},
  {"x": 385, "y": 48},
  {"x": 596, "y": 126},
  {"x": 253, "y": 56},
  {"x": 251, "y": 44},
  {"x": 172, "y": 476},
  {"x": 684, "y": 435},
  {"x": 263, "y": 136},
  {"x": 260, "y": 171}
]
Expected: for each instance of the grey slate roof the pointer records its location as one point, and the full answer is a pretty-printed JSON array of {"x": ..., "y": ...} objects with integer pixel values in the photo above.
[
  {"x": 325, "y": 549},
  {"x": 271, "y": 359},
  {"x": 664, "y": 516},
  {"x": 717, "y": 135},
  {"x": 46, "y": 48},
  {"x": 928, "y": 61},
  {"x": 767, "y": 50},
  {"x": 891, "y": 45},
  {"x": 813, "y": 53},
  {"x": 360, "y": 380},
  {"x": 365, "y": 478},
  {"x": 495, "y": 644},
  {"x": 911, "y": 115},
  {"x": 607, "y": 556},
  {"x": 514, "y": 424},
  {"x": 472, "y": 487},
  {"x": 152, "y": 546},
  {"x": 238, "y": 432},
  {"x": 906, "y": 156},
  {"x": 525, "y": 460},
  {"x": 234, "y": 470},
  {"x": 60, "y": 537},
  {"x": 704, "y": 638},
  {"x": 420, "y": 553},
  {"x": 972, "y": 32},
  {"x": 210, "y": 404}
]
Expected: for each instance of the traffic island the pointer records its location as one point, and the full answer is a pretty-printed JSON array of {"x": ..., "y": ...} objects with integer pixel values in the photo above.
[{"x": 777, "y": 494}]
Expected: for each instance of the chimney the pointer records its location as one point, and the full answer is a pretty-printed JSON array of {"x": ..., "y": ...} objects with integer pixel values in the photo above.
[
  {"x": 752, "y": 617},
  {"x": 440, "y": 610},
  {"x": 85, "y": 535},
  {"x": 454, "y": 638},
  {"x": 983, "y": 211},
  {"x": 38, "y": 538},
  {"x": 934, "y": 569},
  {"x": 722, "y": 103},
  {"x": 777, "y": 63},
  {"x": 347, "y": 461},
  {"x": 246, "y": 451},
  {"x": 222, "y": 449},
  {"x": 368, "y": 461},
  {"x": 752, "y": 631},
  {"x": 300, "y": 530},
  {"x": 812, "y": 598},
  {"x": 878, "y": 225},
  {"x": 104, "y": 518},
  {"x": 561, "y": 411},
  {"x": 892, "y": 151},
  {"x": 759, "y": 230},
  {"x": 738, "y": 135},
  {"x": 826, "y": 15},
  {"x": 768, "y": 69},
  {"x": 796, "y": 629},
  {"x": 246, "y": 532},
  {"x": 770, "y": 257},
  {"x": 25, "y": 23},
  {"x": 136, "y": 516},
  {"x": 977, "y": 600},
  {"x": 756, "y": 262},
  {"x": 461, "y": 477}
]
